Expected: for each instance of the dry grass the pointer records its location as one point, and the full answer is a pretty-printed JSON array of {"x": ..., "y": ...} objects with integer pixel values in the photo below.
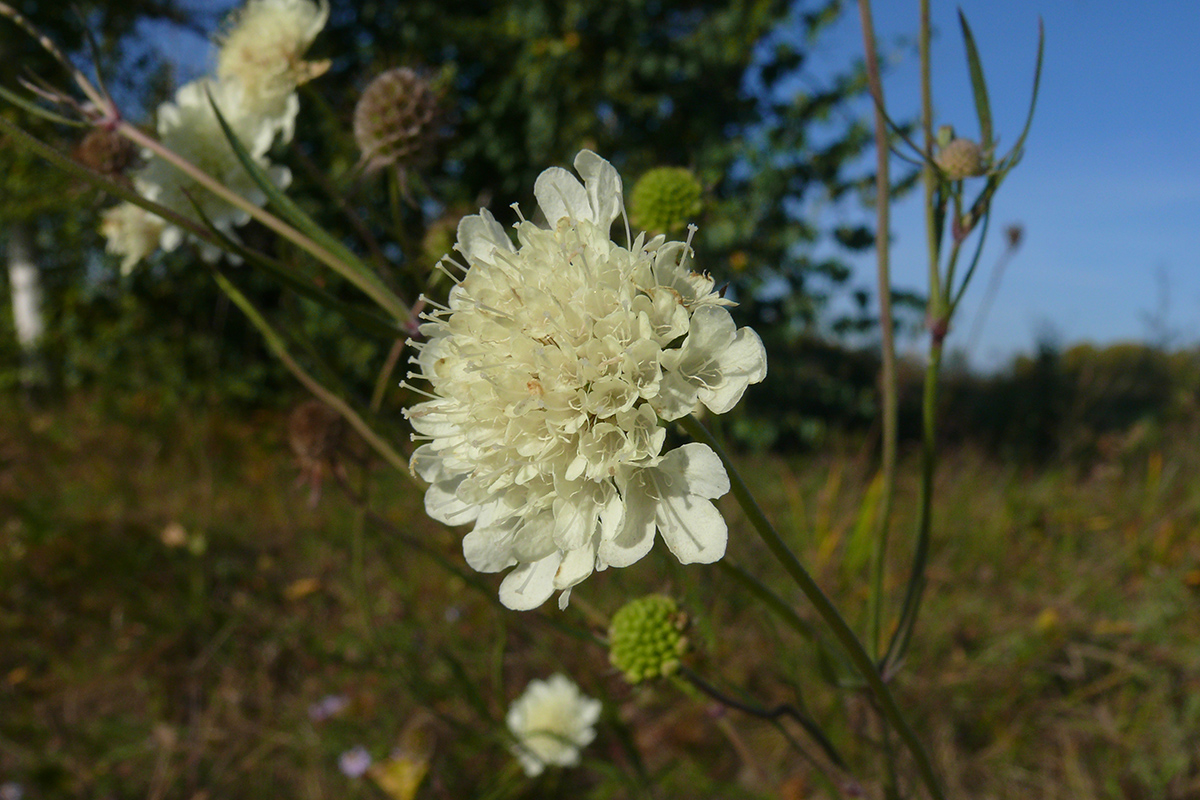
[{"x": 170, "y": 608}]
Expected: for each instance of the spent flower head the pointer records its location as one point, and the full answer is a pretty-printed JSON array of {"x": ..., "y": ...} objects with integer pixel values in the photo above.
[
  {"x": 552, "y": 367},
  {"x": 645, "y": 638},
  {"x": 551, "y": 721},
  {"x": 263, "y": 53},
  {"x": 397, "y": 118}
]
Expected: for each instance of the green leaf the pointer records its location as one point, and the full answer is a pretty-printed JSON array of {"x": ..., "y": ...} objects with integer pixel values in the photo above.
[
  {"x": 1015, "y": 153},
  {"x": 978, "y": 85},
  {"x": 330, "y": 251},
  {"x": 34, "y": 108}
]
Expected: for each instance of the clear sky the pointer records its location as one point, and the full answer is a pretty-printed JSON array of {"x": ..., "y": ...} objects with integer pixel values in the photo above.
[{"x": 1109, "y": 190}]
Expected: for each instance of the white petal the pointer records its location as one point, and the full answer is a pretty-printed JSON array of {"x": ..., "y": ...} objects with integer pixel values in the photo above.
[
  {"x": 635, "y": 537},
  {"x": 575, "y": 567},
  {"x": 694, "y": 468},
  {"x": 677, "y": 397},
  {"x": 479, "y": 235},
  {"x": 530, "y": 585},
  {"x": 744, "y": 362},
  {"x": 603, "y": 187},
  {"x": 560, "y": 195},
  {"x": 487, "y": 551},
  {"x": 693, "y": 529},
  {"x": 442, "y": 503}
]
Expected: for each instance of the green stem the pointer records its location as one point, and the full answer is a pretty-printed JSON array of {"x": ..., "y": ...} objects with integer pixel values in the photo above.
[
  {"x": 381, "y": 296},
  {"x": 887, "y": 377},
  {"x": 279, "y": 348},
  {"x": 916, "y": 581},
  {"x": 824, "y": 607}
]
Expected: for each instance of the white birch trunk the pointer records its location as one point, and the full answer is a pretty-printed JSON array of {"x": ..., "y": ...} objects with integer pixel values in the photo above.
[{"x": 25, "y": 282}]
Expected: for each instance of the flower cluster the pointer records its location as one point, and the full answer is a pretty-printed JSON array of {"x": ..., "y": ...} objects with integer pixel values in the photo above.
[
  {"x": 552, "y": 367},
  {"x": 551, "y": 721},
  {"x": 259, "y": 69}
]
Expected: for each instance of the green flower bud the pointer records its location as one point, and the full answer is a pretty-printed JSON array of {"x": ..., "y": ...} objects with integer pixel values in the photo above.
[
  {"x": 666, "y": 199},
  {"x": 645, "y": 638},
  {"x": 961, "y": 158}
]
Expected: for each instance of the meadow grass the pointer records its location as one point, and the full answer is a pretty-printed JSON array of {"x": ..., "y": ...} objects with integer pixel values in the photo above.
[{"x": 171, "y": 608}]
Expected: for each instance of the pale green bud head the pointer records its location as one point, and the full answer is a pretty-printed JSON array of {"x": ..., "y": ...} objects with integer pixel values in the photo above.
[
  {"x": 961, "y": 158},
  {"x": 645, "y": 638},
  {"x": 666, "y": 199}
]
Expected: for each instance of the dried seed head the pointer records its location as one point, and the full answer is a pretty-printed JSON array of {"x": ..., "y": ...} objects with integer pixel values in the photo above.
[
  {"x": 397, "y": 118},
  {"x": 106, "y": 152}
]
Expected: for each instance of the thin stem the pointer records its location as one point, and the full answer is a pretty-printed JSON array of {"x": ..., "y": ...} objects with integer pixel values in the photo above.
[
  {"x": 823, "y": 606},
  {"x": 268, "y": 219},
  {"x": 929, "y": 175},
  {"x": 887, "y": 377},
  {"x": 277, "y": 346},
  {"x": 93, "y": 94},
  {"x": 916, "y": 581}
]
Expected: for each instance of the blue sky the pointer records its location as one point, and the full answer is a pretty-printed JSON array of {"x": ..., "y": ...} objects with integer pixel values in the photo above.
[{"x": 1109, "y": 190}]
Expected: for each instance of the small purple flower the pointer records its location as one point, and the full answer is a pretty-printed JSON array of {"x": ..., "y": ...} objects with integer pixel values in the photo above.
[
  {"x": 355, "y": 762},
  {"x": 328, "y": 706}
]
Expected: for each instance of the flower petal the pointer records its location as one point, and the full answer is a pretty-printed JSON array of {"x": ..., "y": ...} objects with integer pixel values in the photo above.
[
  {"x": 635, "y": 537},
  {"x": 479, "y": 235},
  {"x": 603, "y": 187},
  {"x": 560, "y": 194},
  {"x": 744, "y": 362},
  {"x": 530, "y": 585}
]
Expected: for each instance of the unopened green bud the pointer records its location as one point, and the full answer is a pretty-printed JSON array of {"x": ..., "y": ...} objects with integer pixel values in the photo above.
[
  {"x": 666, "y": 199},
  {"x": 962, "y": 158},
  {"x": 645, "y": 638}
]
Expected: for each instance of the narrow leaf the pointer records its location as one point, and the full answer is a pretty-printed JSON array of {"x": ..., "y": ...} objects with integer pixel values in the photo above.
[
  {"x": 34, "y": 108},
  {"x": 1037, "y": 80},
  {"x": 339, "y": 257},
  {"x": 978, "y": 85}
]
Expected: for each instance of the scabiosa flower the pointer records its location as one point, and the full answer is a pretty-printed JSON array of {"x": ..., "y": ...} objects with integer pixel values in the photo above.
[
  {"x": 552, "y": 366},
  {"x": 190, "y": 128},
  {"x": 263, "y": 51},
  {"x": 132, "y": 233},
  {"x": 551, "y": 722}
]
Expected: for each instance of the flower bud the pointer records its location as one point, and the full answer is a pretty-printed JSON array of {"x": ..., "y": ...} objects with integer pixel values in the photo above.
[
  {"x": 645, "y": 638},
  {"x": 396, "y": 119},
  {"x": 666, "y": 199},
  {"x": 106, "y": 152},
  {"x": 961, "y": 158}
]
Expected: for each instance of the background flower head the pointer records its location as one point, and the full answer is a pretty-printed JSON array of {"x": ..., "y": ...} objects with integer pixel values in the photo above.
[
  {"x": 552, "y": 366},
  {"x": 551, "y": 721}
]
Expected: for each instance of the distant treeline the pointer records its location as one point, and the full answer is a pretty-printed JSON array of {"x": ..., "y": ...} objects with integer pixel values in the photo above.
[{"x": 1081, "y": 402}]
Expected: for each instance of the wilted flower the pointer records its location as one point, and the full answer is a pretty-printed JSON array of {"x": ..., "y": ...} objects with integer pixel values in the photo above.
[
  {"x": 551, "y": 369},
  {"x": 190, "y": 128},
  {"x": 132, "y": 232},
  {"x": 263, "y": 51},
  {"x": 551, "y": 721}
]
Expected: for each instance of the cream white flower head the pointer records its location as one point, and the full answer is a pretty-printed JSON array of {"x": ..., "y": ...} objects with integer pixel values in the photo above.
[
  {"x": 551, "y": 721},
  {"x": 551, "y": 368},
  {"x": 189, "y": 127},
  {"x": 263, "y": 52},
  {"x": 132, "y": 232}
]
